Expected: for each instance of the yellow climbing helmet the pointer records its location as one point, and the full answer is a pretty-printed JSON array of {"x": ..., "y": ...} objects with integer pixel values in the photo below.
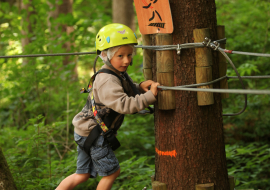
[{"x": 114, "y": 35}]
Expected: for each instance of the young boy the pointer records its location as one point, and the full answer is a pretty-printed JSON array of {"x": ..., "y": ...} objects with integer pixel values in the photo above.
[{"x": 115, "y": 45}]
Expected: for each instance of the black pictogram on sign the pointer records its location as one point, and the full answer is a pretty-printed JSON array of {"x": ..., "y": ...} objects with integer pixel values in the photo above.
[
  {"x": 149, "y": 6},
  {"x": 160, "y": 25}
]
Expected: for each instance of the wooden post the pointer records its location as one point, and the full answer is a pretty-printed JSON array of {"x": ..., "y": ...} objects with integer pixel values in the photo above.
[
  {"x": 204, "y": 74},
  {"x": 222, "y": 62},
  {"x": 231, "y": 181},
  {"x": 152, "y": 178},
  {"x": 207, "y": 186},
  {"x": 165, "y": 72},
  {"x": 156, "y": 185},
  {"x": 203, "y": 67},
  {"x": 147, "y": 54}
]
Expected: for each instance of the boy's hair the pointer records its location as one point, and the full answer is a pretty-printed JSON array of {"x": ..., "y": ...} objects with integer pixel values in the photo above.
[{"x": 109, "y": 53}]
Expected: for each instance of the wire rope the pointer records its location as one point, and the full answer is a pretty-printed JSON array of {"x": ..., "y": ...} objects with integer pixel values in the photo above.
[
  {"x": 233, "y": 91},
  {"x": 178, "y": 47},
  {"x": 250, "y": 77},
  {"x": 46, "y": 55}
]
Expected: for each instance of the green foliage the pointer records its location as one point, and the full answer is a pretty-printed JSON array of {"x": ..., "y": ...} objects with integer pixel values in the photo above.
[
  {"x": 135, "y": 174},
  {"x": 249, "y": 165},
  {"x": 37, "y": 156},
  {"x": 247, "y": 29}
]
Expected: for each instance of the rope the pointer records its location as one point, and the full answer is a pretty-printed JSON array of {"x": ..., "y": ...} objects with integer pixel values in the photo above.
[
  {"x": 202, "y": 84},
  {"x": 239, "y": 77},
  {"x": 95, "y": 62},
  {"x": 250, "y": 77},
  {"x": 158, "y": 48},
  {"x": 246, "y": 53},
  {"x": 46, "y": 55},
  {"x": 233, "y": 91},
  {"x": 178, "y": 47}
]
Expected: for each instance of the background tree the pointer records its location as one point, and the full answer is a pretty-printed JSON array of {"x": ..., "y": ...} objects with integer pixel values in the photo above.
[
  {"x": 123, "y": 13},
  {"x": 6, "y": 179},
  {"x": 61, "y": 30}
]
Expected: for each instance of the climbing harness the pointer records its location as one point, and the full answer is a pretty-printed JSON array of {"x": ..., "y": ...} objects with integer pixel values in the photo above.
[{"x": 104, "y": 125}]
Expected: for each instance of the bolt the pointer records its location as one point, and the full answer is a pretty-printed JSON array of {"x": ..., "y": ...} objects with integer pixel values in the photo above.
[{"x": 215, "y": 42}]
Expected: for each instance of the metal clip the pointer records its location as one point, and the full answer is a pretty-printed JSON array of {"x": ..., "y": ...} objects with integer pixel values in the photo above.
[
  {"x": 217, "y": 45},
  {"x": 178, "y": 49},
  {"x": 206, "y": 41},
  {"x": 208, "y": 44}
]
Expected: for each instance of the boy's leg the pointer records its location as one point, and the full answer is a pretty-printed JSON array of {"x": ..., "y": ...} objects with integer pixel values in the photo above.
[
  {"x": 107, "y": 181},
  {"x": 72, "y": 181},
  {"x": 105, "y": 163}
]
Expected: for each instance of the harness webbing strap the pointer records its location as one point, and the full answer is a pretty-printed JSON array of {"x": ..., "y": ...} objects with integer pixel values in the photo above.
[
  {"x": 91, "y": 138},
  {"x": 102, "y": 126},
  {"x": 110, "y": 118}
]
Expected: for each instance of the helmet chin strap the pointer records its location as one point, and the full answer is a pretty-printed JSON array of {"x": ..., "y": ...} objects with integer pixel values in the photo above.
[{"x": 108, "y": 63}]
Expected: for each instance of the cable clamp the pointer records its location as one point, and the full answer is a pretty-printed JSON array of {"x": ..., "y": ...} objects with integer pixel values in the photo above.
[
  {"x": 217, "y": 45},
  {"x": 178, "y": 49},
  {"x": 206, "y": 41},
  {"x": 209, "y": 42}
]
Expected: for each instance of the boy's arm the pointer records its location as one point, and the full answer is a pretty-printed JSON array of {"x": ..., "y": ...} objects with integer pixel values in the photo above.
[{"x": 112, "y": 95}]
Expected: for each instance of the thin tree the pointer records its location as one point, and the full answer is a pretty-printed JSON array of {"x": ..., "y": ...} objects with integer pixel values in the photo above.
[
  {"x": 123, "y": 13},
  {"x": 64, "y": 8},
  {"x": 6, "y": 179},
  {"x": 26, "y": 24},
  {"x": 193, "y": 133}
]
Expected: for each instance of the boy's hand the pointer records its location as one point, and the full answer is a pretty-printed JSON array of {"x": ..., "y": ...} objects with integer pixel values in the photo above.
[
  {"x": 146, "y": 84},
  {"x": 154, "y": 88}
]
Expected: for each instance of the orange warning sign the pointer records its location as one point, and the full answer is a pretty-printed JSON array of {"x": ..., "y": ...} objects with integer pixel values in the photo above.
[
  {"x": 166, "y": 153},
  {"x": 154, "y": 16}
]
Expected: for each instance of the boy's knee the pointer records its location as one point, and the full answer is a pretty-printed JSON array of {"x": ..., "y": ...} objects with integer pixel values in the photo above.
[
  {"x": 82, "y": 177},
  {"x": 117, "y": 173}
]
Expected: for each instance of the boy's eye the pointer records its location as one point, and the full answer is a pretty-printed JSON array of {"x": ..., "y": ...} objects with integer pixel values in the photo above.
[
  {"x": 129, "y": 55},
  {"x": 120, "y": 55}
]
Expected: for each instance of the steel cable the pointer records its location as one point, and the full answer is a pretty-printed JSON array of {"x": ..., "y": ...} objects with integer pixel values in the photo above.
[
  {"x": 250, "y": 77},
  {"x": 233, "y": 91},
  {"x": 247, "y": 53},
  {"x": 178, "y": 47},
  {"x": 46, "y": 55}
]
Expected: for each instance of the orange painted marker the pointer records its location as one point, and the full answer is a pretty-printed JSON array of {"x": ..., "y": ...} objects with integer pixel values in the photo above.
[{"x": 166, "y": 153}]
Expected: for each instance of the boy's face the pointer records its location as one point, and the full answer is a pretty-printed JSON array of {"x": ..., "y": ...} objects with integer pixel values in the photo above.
[{"x": 122, "y": 58}]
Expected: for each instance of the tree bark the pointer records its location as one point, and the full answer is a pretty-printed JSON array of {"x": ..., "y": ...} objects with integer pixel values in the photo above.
[
  {"x": 26, "y": 25},
  {"x": 123, "y": 13},
  {"x": 190, "y": 145},
  {"x": 64, "y": 8},
  {"x": 6, "y": 179}
]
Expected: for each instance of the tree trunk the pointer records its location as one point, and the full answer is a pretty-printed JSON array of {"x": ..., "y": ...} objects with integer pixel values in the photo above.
[
  {"x": 190, "y": 145},
  {"x": 26, "y": 25},
  {"x": 123, "y": 13},
  {"x": 6, "y": 179},
  {"x": 64, "y": 8}
]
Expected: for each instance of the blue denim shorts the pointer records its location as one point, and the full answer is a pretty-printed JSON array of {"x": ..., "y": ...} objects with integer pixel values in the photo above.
[{"x": 101, "y": 161}]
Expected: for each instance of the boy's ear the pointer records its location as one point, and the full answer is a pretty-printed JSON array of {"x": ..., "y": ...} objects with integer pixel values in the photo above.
[{"x": 103, "y": 55}]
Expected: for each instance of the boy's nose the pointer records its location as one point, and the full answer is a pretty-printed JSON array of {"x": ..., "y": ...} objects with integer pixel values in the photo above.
[{"x": 126, "y": 60}]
